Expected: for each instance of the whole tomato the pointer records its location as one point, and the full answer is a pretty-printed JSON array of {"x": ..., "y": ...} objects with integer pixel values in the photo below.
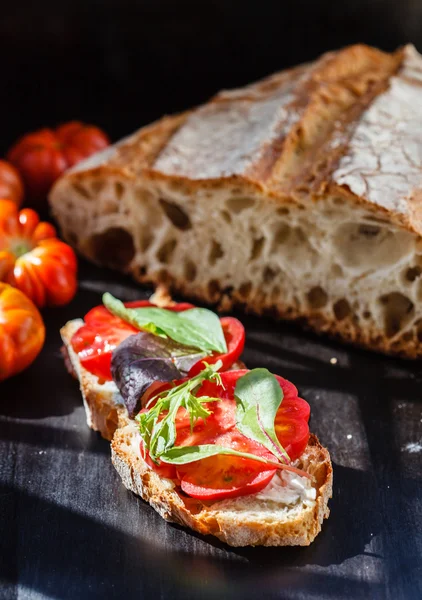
[
  {"x": 22, "y": 331},
  {"x": 33, "y": 260},
  {"x": 11, "y": 186},
  {"x": 42, "y": 156}
]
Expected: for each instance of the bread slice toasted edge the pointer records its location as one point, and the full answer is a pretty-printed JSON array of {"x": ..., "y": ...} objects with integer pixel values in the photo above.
[
  {"x": 103, "y": 404},
  {"x": 232, "y": 524}
]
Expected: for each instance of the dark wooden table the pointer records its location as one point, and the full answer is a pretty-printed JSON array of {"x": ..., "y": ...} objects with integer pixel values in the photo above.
[{"x": 68, "y": 528}]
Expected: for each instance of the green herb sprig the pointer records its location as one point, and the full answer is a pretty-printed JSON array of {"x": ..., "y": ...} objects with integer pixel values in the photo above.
[{"x": 195, "y": 327}]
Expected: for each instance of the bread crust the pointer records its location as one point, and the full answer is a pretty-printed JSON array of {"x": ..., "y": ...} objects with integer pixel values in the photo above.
[
  {"x": 249, "y": 529},
  {"x": 276, "y": 139}
]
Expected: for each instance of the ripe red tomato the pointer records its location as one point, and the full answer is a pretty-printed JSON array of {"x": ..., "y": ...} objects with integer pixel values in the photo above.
[
  {"x": 22, "y": 331},
  {"x": 234, "y": 333},
  {"x": 225, "y": 476},
  {"x": 11, "y": 185},
  {"x": 42, "y": 156},
  {"x": 33, "y": 260}
]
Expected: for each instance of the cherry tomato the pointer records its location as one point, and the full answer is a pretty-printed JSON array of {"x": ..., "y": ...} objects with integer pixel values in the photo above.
[
  {"x": 225, "y": 476},
  {"x": 234, "y": 333}
]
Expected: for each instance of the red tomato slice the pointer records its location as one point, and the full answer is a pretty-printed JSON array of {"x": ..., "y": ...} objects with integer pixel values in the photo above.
[
  {"x": 292, "y": 433},
  {"x": 234, "y": 333},
  {"x": 296, "y": 408},
  {"x": 162, "y": 469},
  {"x": 225, "y": 476}
]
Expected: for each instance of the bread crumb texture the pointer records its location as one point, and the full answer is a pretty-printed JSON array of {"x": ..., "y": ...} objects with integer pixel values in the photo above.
[{"x": 298, "y": 196}]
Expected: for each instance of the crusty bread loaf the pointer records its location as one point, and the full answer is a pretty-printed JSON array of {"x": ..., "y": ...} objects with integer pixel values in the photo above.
[
  {"x": 300, "y": 195},
  {"x": 245, "y": 521}
]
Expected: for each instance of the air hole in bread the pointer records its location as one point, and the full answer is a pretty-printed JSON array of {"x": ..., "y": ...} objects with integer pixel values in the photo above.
[
  {"x": 369, "y": 230},
  {"x": 176, "y": 215},
  {"x": 82, "y": 191},
  {"x": 412, "y": 273},
  {"x": 163, "y": 277},
  {"x": 358, "y": 244},
  {"x": 97, "y": 186},
  {"x": 165, "y": 253},
  {"x": 342, "y": 309},
  {"x": 145, "y": 240},
  {"x": 317, "y": 297},
  {"x": 283, "y": 210},
  {"x": 190, "y": 270},
  {"x": 213, "y": 289},
  {"x": 226, "y": 216},
  {"x": 113, "y": 247},
  {"x": 367, "y": 314},
  {"x": 336, "y": 270},
  {"x": 398, "y": 310},
  {"x": 281, "y": 235},
  {"x": 216, "y": 252},
  {"x": 245, "y": 289},
  {"x": 236, "y": 205},
  {"x": 407, "y": 336},
  {"x": 257, "y": 246},
  {"x": 269, "y": 274},
  {"x": 119, "y": 188},
  {"x": 419, "y": 331}
]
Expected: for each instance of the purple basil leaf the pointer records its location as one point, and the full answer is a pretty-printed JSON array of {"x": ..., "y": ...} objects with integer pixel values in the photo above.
[{"x": 144, "y": 358}]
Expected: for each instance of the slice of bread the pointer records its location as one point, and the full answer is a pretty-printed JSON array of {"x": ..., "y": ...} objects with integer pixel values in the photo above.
[
  {"x": 299, "y": 195},
  {"x": 254, "y": 520},
  {"x": 104, "y": 407},
  {"x": 103, "y": 404}
]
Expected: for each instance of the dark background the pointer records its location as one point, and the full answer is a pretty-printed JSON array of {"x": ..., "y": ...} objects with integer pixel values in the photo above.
[{"x": 123, "y": 63}]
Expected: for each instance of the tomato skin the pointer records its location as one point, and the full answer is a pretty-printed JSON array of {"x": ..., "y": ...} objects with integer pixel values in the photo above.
[
  {"x": 11, "y": 184},
  {"x": 33, "y": 260},
  {"x": 42, "y": 156},
  {"x": 234, "y": 332},
  {"x": 22, "y": 331},
  {"x": 223, "y": 476}
]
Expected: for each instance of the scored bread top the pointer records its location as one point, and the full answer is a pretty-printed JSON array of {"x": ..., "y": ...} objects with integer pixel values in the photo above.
[{"x": 349, "y": 123}]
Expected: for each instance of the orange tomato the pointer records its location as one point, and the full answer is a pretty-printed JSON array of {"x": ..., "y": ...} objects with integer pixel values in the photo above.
[
  {"x": 11, "y": 185},
  {"x": 42, "y": 156},
  {"x": 33, "y": 260},
  {"x": 22, "y": 331}
]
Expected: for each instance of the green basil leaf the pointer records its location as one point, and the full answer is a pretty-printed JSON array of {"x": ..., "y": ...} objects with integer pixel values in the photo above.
[
  {"x": 196, "y": 327},
  {"x": 258, "y": 397},
  {"x": 181, "y": 455}
]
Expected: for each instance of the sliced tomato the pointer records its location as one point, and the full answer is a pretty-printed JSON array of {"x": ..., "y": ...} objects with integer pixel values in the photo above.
[
  {"x": 102, "y": 333},
  {"x": 234, "y": 333},
  {"x": 292, "y": 433},
  {"x": 162, "y": 469},
  {"x": 296, "y": 408},
  {"x": 225, "y": 476}
]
